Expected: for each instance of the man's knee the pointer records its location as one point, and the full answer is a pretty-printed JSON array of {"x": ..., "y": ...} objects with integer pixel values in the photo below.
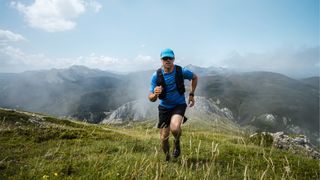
[
  {"x": 175, "y": 128},
  {"x": 175, "y": 123}
]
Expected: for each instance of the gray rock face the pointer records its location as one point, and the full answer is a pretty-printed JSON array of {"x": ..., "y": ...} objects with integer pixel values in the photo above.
[
  {"x": 140, "y": 110},
  {"x": 137, "y": 110},
  {"x": 298, "y": 144},
  {"x": 266, "y": 118},
  {"x": 206, "y": 106}
]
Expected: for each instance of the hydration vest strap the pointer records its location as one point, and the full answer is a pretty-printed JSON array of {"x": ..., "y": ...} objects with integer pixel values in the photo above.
[
  {"x": 161, "y": 82},
  {"x": 178, "y": 78}
]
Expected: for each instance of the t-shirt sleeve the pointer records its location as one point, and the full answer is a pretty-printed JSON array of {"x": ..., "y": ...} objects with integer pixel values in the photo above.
[
  {"x": 187, "y": 74},
  {"x": 153, "y": 82}
]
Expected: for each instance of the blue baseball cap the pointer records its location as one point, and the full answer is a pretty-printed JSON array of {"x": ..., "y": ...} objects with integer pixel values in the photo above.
[{"x": 167, "y": 53}]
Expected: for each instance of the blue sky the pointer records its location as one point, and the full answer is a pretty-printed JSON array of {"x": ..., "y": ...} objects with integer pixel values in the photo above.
[{"x": 125, "y": 35}]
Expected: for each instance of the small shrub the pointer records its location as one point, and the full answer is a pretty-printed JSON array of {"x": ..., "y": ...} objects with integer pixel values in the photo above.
[
  {"x": 45, "y": 135},
  {"x": 69, "y": 135},
  {"x": 10, "y": 118},
  {"x": 67, "y": 169}
]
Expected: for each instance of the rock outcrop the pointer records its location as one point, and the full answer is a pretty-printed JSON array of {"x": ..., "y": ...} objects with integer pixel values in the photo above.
[{"x": 299, "y": 144}]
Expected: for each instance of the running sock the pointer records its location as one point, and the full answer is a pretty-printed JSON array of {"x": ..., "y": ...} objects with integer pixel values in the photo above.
[{"x": 166, "y": 148}]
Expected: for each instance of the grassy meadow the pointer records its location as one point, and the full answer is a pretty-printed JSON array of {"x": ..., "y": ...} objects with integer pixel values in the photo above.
[{"x": 34, "y": 146}]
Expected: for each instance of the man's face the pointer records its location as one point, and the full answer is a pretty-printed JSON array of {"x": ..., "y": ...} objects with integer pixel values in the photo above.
[{"x": 167, "y": 62}]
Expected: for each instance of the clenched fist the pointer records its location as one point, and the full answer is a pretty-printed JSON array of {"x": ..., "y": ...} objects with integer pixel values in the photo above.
[{"x": 157, "y": 90}]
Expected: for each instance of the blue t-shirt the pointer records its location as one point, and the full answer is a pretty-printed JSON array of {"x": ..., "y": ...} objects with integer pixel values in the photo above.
[{"x": 173, "y": 97}]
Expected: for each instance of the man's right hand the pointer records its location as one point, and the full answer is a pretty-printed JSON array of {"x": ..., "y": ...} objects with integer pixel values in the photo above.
[{"x": 157, "y": 90}]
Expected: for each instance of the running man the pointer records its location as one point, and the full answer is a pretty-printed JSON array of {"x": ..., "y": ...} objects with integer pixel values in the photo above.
[{"x": 167, "y": 84}]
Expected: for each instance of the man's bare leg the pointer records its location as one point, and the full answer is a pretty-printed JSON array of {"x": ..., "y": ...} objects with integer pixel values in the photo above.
[
  {"x": 175, "y": 127},
  {"x": 164, "y": 137}
]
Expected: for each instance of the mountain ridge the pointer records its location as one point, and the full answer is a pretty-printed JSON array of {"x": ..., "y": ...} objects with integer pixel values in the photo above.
[{"x": 86, "y": 93}]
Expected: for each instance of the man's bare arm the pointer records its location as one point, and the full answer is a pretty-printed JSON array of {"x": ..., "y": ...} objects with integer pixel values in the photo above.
[
  {"x": 194, "y": 82},
  {"x": 152, "y": 97}
]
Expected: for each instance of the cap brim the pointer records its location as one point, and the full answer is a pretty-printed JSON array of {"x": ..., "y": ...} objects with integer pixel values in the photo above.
[{"x": 170, "y": 55}]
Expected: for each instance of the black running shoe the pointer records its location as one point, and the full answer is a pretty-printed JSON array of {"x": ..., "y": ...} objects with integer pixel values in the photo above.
[
  {"x": 176, "y": 151},
  {"x": 185, "y": 119}
]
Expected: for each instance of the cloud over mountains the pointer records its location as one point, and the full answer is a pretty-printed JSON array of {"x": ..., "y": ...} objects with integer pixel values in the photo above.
[
  {"x": 14, "y": 59},
  {"x": 294, "y": 62}
]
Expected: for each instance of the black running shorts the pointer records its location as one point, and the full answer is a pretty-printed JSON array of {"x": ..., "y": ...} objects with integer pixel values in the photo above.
[{"x": 166, "y": 114}]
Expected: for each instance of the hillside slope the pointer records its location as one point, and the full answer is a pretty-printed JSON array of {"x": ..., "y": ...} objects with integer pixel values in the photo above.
[
  {"x": 39, "y": 146},
  {"x": 255, "y": 95},
  {"x": 312, "y": 81},
  {"x": 77, "y": 91}
]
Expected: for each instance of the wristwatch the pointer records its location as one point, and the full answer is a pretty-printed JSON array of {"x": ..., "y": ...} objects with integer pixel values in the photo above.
[{"x": 191, "y": 94}]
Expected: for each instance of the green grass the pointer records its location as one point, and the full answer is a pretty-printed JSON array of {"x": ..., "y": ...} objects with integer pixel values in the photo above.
[{"x": 63, "y": 149}]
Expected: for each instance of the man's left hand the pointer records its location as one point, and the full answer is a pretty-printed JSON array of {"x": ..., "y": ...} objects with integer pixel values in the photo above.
[{"x": 191, "y": 101}]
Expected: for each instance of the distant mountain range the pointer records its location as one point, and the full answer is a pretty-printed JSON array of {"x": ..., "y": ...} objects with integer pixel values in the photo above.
[
  {"x": 77, "y": 91},
  {"x": 260, "y": 100},
  {"x": 290, "y": 104}
]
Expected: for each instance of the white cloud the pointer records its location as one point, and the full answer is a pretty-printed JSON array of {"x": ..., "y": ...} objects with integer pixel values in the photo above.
[
  {"x": 55, "y": 15},
  {"x": 16, "y": 60},
  {"x": 96, "y": 61},
  {"x": 293, "y": 62},
  {"x": 144, "y": 59},
  {"x": 140, "y": 62},
  {"x": 8, "y": 36}
]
